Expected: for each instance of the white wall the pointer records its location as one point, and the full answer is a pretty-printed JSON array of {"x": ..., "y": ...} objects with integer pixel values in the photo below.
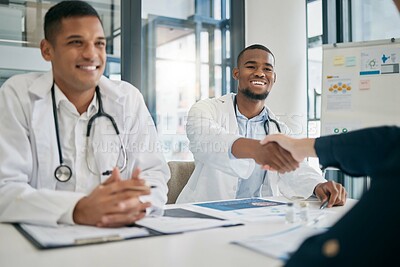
[{"x": 281, "y": 26}]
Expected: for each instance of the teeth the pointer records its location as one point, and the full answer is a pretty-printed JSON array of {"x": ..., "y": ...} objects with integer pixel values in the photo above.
[
  {"x": 88, "y": 67},
  {"x": 258, "y": 83}
]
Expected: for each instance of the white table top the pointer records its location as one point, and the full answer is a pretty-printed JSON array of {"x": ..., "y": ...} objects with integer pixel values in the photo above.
[{"x": 201, "y": 248}]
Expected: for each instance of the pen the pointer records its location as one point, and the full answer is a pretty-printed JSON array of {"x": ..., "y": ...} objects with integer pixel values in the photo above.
[
  {"x": 324, "y": 204},
  {"x": 141, "y": 188}
]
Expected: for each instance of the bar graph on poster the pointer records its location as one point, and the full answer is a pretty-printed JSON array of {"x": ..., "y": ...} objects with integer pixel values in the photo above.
[{"x": 360, "y": 85}]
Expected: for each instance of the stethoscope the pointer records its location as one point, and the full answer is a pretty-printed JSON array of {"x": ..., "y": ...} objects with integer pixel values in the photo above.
[
  {"x": 266, "y": 122},
  {"x": 63, "y": 172}
]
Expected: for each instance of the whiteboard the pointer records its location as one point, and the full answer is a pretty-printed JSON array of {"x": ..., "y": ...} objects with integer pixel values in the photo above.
[{"x": 360, "y": 85}]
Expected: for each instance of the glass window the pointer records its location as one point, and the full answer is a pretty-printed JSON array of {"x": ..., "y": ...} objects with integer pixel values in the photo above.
[
  {"x": 185, "y": 54},
  {"x": 21, "y": 30},
  {"x": 314, "y": 33},
  {"x": 314, "y": 18},
  {"x": 183, "y": 62},
  {"x": 368, "y": 20},
  {"x": 374, "y": 20}
]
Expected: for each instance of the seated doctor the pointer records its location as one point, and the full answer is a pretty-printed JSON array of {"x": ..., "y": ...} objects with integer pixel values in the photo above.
[
  {"x": 72, "y": 139},
  {"x": 224, "y": 136}
]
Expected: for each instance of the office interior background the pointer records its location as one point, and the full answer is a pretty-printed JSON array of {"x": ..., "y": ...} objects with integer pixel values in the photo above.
[{"x": 180, "y": 51}]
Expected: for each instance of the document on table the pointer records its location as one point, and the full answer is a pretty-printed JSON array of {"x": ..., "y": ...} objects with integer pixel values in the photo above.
[
  {"x": 251, "y": 210},
  {"x": 280, "y": 245},
  {"x": 238, "y": 204},
  {"x": 246, "y": 210},
  {"x": 72, "y": 235},
  {"x": 174, "y": 221},
  {"x": 181, "y": 220}
]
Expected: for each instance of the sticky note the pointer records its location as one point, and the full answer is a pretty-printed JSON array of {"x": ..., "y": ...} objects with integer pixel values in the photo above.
[
  {"x": 350, "y": 61},
  {"x": 338, "y": 60},
  {"x": 365, "y": 84}
]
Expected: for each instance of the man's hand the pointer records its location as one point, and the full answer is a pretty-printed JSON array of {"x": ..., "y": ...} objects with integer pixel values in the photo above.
[
  {"x": 276, "y": 157},
  {"x": 335, "y": 192},
  {"x": 114, "y": 203},
  {"x": 270, "y": 154},
  {"x": 299, "y": 149}
]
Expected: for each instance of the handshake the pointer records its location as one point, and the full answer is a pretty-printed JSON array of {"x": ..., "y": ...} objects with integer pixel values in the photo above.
[
  {"x": 284, "y": 153},
  {"x": 281, "y": 153}
]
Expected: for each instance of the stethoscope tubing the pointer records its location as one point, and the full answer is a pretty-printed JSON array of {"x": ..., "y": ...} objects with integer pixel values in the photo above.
[
  {"x": 266, "y": 122},
  {"x": 63, "y": 172}
]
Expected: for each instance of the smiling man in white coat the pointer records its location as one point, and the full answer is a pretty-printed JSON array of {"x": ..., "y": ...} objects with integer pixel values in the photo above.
[
  {"x": 71, "y": 139},
  {"x": 224, "y": 136}
]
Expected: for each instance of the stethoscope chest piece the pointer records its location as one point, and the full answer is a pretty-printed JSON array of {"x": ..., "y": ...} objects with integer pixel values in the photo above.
[{"x": 63, "y": 173}]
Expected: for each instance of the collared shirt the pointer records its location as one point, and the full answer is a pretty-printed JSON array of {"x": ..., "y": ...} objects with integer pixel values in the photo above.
[
  {"x": 252, "y": 128},
  {"x": 72, "y": 134}
]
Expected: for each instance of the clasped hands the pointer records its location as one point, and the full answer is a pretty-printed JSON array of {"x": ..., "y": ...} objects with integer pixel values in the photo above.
[
  {"x": 285, "y": 154},
  {"x": 114, "y": 203}
]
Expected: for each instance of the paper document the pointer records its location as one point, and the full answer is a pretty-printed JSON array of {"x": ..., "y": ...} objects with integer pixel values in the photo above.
[
  {"x": 237, "y": 204},
  {"x": 246, "y": 210},
  {"x": 70, "y": 235},
  {"x": 184, "y": 213},
  {"x": 253, "y": 210},
  {"x": 172, "y": 225},
  {"x": 280, "y": 245}
]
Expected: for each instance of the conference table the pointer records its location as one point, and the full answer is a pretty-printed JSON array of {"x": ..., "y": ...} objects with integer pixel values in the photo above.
[{"x": 210, "y": 247}]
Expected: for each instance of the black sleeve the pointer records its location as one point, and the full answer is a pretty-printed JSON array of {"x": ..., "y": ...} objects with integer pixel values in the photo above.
[
  {"x": 365, "y": 152},
  {"x": 361, "y": 234}
]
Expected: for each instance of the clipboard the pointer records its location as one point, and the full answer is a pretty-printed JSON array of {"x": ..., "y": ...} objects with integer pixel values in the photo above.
[{"x": 44, "y": 237}]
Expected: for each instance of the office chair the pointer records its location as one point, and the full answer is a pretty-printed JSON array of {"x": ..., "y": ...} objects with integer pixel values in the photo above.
[{"x": 180, "y": 174}]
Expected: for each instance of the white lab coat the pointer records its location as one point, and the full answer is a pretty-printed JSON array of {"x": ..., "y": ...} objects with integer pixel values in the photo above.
[
  {"x": 29, "y": 151},
  {"x": 212, "y": 128}
]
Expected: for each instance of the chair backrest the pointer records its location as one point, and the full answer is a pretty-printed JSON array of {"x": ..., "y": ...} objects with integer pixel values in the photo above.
[{"x": 180, "y": 174}]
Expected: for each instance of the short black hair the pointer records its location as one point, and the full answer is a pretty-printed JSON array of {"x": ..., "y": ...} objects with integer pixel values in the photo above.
[
  {"x": 254, "y": 46},
  {"x": 62, "y": 10}
]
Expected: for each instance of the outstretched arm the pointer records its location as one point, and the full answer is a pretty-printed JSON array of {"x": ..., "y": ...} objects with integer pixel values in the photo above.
[
  {"x": 212, "y": 140},
  {"x": 272, "y": 154},
  {"x": 363, "y": 152}
]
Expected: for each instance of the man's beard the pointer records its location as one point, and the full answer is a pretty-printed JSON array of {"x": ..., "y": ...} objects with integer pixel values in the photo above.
[{"x": 250, "y": 95}]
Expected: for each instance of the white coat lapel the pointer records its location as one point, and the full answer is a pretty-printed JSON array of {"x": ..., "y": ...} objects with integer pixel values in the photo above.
[
  {"x": 43, "y": 137},
  {"x": 227, "y": 115}
]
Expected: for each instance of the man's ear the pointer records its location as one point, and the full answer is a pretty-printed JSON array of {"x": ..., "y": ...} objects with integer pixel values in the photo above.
[
  {"x": 45, "y": 49},
  {"x": 235, "y": 73},
  {"x": 274, "y": 77},
  {"x": 397, "y": 4}
]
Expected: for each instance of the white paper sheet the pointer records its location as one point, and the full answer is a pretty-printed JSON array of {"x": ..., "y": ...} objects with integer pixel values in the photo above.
[
  {"x": 65, "y": 235},
  {"x": 171, "y": 225},
  {"x": 280, "y": 245}
]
